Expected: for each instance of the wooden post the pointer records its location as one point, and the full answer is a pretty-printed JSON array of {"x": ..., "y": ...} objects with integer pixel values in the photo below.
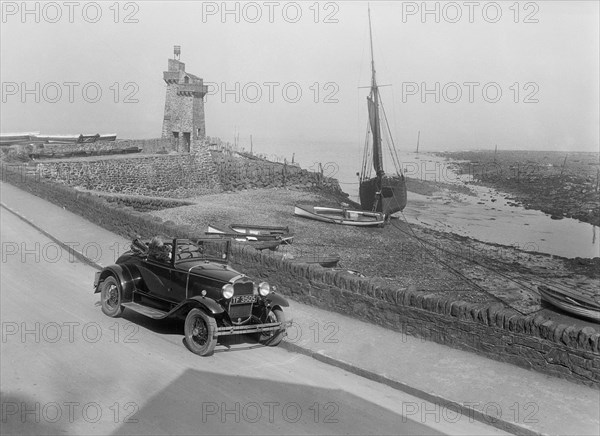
[
  {"x": 320, "y": 175},
  {"x": 418, "y": 139},
  {"x": 284, "y": 171},
  {"x": 563, "y": 165}
]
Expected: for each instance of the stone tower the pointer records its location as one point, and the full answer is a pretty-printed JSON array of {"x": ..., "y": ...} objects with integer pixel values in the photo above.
[{"x": 183, "y": 122}]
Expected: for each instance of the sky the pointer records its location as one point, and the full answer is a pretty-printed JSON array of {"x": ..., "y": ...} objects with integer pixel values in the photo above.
[{"x": 467, "y": 75}]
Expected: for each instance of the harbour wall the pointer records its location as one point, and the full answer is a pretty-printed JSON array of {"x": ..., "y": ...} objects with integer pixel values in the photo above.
[
  {"x": 172, "y": 175},
  {"x": 150, "y": 167},
  {"x": 98, "y": 148}
]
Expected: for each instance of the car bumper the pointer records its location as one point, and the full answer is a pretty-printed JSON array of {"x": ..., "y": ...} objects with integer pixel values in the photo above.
[
  {"x": 256, "y": 328},
  {"x": 97, "y": 279}
]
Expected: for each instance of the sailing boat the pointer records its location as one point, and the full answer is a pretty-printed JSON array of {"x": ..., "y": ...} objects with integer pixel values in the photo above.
[{"x": 381, "y": 193}]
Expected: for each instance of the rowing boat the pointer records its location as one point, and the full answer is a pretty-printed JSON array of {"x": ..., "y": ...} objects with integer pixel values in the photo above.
[
  {"x": 571, "y": 302},
  {"x": 346, "y": 217},
  {"x": 259, "y": 230},
  {"x": 259, "y": 242}
]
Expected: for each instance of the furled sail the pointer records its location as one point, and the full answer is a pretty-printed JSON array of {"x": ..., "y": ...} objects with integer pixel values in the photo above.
[{"x": 376, "y": 132}]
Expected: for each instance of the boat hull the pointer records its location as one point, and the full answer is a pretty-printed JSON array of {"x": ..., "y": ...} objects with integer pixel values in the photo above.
[
  {"x": 570, "y": 303},
  {"x": 393, "y": 198},
  {"x": 260, "y": 242},
  {"x": 259, "y": 230},
  {"x": 340, "y": 216}
]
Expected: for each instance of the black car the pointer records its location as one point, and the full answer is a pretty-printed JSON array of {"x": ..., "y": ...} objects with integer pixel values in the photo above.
[{"x": 192, "y": 279}]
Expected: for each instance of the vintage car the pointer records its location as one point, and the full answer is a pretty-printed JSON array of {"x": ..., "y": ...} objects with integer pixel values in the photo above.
[{"x": 192, "y": 280}]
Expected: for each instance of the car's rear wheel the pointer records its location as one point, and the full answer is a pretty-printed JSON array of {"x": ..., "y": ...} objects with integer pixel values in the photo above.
[
  {"x": 200, "y": 330},
  {"x": 274, "y": 337},
  {"x": 111, "y": 297}
]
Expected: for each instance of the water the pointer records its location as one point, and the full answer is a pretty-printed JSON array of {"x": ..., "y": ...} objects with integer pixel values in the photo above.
[{"x": 477, "y": 217}]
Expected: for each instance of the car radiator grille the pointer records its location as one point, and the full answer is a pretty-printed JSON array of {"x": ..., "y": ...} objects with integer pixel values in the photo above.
[{"x": 244, "y": 310}]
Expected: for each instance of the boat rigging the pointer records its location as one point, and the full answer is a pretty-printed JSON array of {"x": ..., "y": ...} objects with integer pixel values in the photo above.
[{"x": 380, "y": 193}]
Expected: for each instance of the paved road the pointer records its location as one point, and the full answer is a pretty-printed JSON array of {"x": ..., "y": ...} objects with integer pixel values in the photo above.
[{"x": 67, "y": 368}]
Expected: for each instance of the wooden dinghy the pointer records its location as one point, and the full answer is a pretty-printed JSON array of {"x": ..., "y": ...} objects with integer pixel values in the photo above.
[
  {"x": 259, "y": 230},
  {"x": 346, "y": 217},
  {"x": 259, "y": 242},
  {"x": 571, "y": 302},
  {"x": 282, "y": 233}
]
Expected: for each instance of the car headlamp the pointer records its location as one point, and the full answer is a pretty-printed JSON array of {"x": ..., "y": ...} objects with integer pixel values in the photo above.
[
  {"x": 264, "y": 289},
  {"x": 227, "y": 291}
]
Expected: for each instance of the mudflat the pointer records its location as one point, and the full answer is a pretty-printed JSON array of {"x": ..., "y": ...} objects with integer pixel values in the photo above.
[{"x": 561, "y": 184}]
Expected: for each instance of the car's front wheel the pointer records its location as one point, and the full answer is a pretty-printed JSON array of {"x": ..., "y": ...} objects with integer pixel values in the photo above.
[
  {"x": 200, "y": 330},
  {"x": 111, "y": 297},
  {"x": 274, "y": 337}
]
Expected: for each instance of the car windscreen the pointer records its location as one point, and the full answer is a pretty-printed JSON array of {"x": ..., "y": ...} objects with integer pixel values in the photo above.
[{"x": 217, "y": 249}]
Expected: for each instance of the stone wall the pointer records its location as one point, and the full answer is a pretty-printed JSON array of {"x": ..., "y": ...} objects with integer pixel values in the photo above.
[
  {"x": 242, "y": 173},
  {"x": 94, "y": 148},
  {"x": 179, "y": 175},
  {"x": 492, "y": 330},
  {"x": 150, "y": 146},
  {"x": 99, "y": 148},
  {"x": 173, "y": 175}
]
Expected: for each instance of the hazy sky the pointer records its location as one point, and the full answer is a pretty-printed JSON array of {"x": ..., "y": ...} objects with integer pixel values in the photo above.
[{"x": 545, "y": 65}]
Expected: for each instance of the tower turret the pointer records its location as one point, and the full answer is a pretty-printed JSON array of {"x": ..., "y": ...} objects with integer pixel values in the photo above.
[{"x": 184, "y": 105}]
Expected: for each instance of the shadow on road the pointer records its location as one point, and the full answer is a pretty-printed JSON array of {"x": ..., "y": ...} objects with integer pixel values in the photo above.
[{"x": 200, "y": 402}]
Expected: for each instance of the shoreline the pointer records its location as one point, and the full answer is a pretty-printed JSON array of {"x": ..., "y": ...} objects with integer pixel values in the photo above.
[
  {"x": 542, "y": 180},
  {"x": 450, "y": 199}
]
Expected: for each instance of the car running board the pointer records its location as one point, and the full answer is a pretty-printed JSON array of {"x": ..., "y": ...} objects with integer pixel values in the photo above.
[{"x": 145, "y": 310}]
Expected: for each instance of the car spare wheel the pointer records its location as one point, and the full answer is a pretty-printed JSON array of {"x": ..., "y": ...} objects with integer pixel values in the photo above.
[{"x": 200, "y": 332}]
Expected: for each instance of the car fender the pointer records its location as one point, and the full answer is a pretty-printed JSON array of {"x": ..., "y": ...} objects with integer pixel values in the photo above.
[
  {"x": 210, "y": 305},
  {"x": 276, "y": 300},
  {"x": 125, "y": 277}
]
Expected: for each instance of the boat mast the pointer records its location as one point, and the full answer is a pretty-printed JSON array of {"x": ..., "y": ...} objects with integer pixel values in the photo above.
[
  {"x": 373, "y": 83},
  {"x": 373, "y": 101}
]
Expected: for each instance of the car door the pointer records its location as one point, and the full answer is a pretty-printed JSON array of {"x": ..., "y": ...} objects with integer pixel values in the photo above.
[
  {"x": 156, "y": 275},
  {"x": 179, "y": 280}
]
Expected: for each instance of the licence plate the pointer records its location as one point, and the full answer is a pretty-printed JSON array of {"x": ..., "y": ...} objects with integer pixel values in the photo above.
[{"x": 243, "y": 299}]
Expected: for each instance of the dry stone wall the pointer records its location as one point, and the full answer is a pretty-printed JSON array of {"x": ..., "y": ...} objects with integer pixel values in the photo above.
[
  {"x": 99, "y": 148},
  {"x": 242, "y": 173},
  {"x": 179, "y": 175},
  {"x": 106, "y": 147},
  {"x": 173, "y": 175}
]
